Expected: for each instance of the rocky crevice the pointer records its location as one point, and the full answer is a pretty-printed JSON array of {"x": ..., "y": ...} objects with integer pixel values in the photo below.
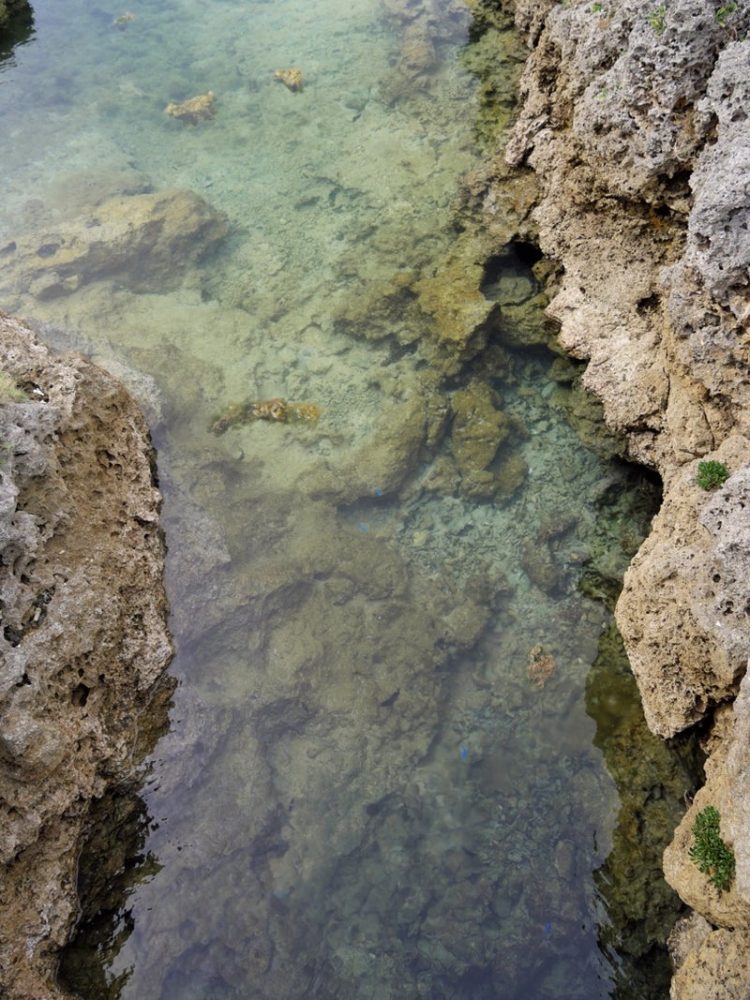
[{"x": 633, "y": 120}]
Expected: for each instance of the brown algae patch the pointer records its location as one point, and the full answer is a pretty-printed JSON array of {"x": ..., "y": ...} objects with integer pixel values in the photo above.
[
  {"x": 291, "y": 78},
  {"x": 194, "y": 110},
  {"x": 276, "y": 410}
]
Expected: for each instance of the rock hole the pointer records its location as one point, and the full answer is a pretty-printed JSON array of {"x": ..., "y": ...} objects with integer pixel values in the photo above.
[
  {"x": 12, "y": 635},
  {"x": 508, "y": 274},
  {"x": 80, "y": 695},
  {"x": 647, "y": 305},
  {"x": 48, "y": 249}
]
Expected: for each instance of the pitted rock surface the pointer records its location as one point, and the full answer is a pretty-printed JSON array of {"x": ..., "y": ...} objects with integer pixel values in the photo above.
[{"x": 83, "y": 643}]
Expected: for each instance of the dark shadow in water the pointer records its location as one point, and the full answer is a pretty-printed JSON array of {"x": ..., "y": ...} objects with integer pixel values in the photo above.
[
  {"x": 653, "y": 777},
  {"x": 17, "y": 30},
  {"x": 112, "y": 863}
]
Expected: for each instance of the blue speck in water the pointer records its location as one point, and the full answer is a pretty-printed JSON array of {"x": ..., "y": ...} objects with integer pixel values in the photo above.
[
  {"x": 363, "y": 527},
  {"x": 377, "y": 491},
  {"x": 547, "y": 929},
  {"x": 464, "y": 752}
]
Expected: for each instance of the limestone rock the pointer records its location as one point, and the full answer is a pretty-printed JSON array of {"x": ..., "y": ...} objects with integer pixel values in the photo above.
[
  {"x": 681, "y": 611},
  {"x": 146, "y": 241},
  {"x": 686, "y": 936},
  {"x": 83, "y": 644},
  {"x": 719, "y": 969},
  {"x": 729, "y": 908},
  {"x": 738, "y": 777}
]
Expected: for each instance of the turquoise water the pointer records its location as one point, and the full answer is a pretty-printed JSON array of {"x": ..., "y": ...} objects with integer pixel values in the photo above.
[{"x": 384, "y": 776}]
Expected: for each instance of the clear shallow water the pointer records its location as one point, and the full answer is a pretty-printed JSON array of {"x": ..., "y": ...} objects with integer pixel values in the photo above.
[{"x": 364, "y": 791}]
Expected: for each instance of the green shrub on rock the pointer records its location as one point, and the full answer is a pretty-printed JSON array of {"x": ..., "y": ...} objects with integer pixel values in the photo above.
[
  {"x": 711, "y": 475},
  {"x": 709, "y": 852}
]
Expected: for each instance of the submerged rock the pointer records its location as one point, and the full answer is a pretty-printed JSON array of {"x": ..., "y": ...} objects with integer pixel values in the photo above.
[
  {"x": 478, "y": 433},
  {"x": 461, "y": 315},
  {"x": 8, "y": 8},
  {"x": 276, "y": 410},
  {"x": 146, "y": 241},
  {"x": 291, "y": 78},
  {"x": 196, "y": 109}
]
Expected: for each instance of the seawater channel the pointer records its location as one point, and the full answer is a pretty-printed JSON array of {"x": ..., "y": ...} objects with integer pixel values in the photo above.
[{"x": 405, "y": 755}]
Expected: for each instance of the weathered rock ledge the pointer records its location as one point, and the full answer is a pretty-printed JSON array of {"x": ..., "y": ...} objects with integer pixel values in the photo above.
[
  {"x": 83, "y": 643},
  {"x": 634, "y": 121}
]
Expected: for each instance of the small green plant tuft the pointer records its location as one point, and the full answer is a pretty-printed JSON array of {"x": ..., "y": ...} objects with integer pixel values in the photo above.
[
  {"x": 711, "y": 475},
  {"x": 709, "y": 852},
  {"x": 9, "y": 391},
  {"x": 657, "y": 18},
  {"x": 725, "y": 12},
  {"x": 597, "y": 8}
]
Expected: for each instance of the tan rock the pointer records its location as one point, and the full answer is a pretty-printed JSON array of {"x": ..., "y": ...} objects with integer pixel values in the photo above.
[
  {"x": 686, "y": 936},
  {"x": 688, "y": 649},
  {"x": 617, "y": 116},
  {"x": 718, "y": 969},
  {"x": 84, "y": 641}
]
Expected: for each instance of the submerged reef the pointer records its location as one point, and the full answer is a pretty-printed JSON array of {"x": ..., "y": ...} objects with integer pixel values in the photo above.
[{"x": 145, "y": 241}]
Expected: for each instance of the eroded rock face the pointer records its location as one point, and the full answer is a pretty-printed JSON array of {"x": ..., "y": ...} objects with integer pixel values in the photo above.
[
  {"x": 682, "y": 611},
  {"x": 634, "y": 121},
  {"x": 83, "y": 643}
]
